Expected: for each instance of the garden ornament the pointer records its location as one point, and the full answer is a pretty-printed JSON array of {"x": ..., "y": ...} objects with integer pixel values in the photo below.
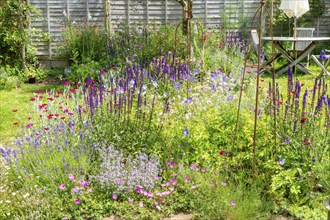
[{"x": 186, "y": 15}]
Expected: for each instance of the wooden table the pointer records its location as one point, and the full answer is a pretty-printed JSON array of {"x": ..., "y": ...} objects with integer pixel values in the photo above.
[{"x": 292, "y": 61}]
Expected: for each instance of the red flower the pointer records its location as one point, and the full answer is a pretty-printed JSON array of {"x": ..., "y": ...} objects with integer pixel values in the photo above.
[
  {"x": 307, "y": 142},
  {"x": 46, "y": 128},
  {"x": 29, "y": 118},
  {"x": 15, "y": 110},
  {"x": 303, "y": 120},
  {"x": 50, "y": 99},
  {"x": 72, "y": 90},
  {"x": 116, "y": 105},
  {"x": 222, "y": 152},
  {"x": 15, "y": 123},
  {"x": 32, "y": 99}
]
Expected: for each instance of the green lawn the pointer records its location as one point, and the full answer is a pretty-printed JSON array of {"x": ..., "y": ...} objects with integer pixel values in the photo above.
[
  {"x": 17, "y": 99},
  {"x": 306, "y": 79}
]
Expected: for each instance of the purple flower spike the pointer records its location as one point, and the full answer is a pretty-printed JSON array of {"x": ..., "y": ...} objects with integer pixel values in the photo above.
[{"x": 281, "y": 161}]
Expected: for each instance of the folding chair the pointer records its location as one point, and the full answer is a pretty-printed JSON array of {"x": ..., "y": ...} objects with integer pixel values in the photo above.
[
  {"x": 324, "y": 65},
  {"x": 255, "y": 41},
  {"x": 302, "y": 45}
]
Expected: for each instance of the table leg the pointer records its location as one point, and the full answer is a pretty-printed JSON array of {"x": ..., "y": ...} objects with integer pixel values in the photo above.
[
  {"x": 324, "y": 68},
  {"x": 292, "y": 61}
]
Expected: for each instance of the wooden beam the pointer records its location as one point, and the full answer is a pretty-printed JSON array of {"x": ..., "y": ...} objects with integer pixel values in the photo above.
[{"x": 48, "y": 29}]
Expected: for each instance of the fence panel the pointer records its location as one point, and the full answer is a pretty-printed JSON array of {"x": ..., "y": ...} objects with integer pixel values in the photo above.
[{"x": 108, "y": 14}]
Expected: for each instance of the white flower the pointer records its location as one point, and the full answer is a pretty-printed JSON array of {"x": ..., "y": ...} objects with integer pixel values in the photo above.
[{"x": 26, "y": 195}]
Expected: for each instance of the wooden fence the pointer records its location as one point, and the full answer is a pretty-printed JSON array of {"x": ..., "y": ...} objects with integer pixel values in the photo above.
[{"x": 230, "y": 14}]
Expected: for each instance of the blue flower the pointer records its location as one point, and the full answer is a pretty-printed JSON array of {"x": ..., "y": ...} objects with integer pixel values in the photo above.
[
  {"x": 177, "y": 86},
  {"x": 323, "y": 57},
  {"x": 314, "y": 159},
  {"x": 185, "y": 132},
  {"x": 281, "y": 161},
  {"x": 287, "y": 141},
  {"x": 214, "y": 75},
  {"x": 229, "y": 98}
]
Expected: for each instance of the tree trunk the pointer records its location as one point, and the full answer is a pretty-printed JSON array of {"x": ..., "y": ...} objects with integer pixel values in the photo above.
[{"x": 21, "y": 26}]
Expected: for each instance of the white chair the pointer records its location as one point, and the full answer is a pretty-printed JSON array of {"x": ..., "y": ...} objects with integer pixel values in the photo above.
[
  {"x": 301, "y": 46},
  {"x": 255, "y": 41}
]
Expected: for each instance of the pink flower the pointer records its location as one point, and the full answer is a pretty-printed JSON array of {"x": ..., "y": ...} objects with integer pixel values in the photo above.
[
  {"x": 131, "y": 200},
  {"x": 141, "y": 204},
  {"x": 71, "y": 177},
  {"x": 233, "y": 203},
  {"x": 120, "y": 182},
  {"x": 90, "y": 190},
  {"x": 29, "y": 125},
  {"x": 75, "y": 190},
  {"x": 114, "y": 196},
  {"x": 81, "y": 182},
  {"x": 193, "y": 187},
  {"x": 77, "y": 201},
  {"x": 62, "y": 187},
  {"x": 224, "y": 183},
  {"x": 192, "y": 166}
]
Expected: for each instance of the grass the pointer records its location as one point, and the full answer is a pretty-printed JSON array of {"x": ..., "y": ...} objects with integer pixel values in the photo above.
[
  {"x": 17, "y": 99},
  {"x": 306, "y": 79}
]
